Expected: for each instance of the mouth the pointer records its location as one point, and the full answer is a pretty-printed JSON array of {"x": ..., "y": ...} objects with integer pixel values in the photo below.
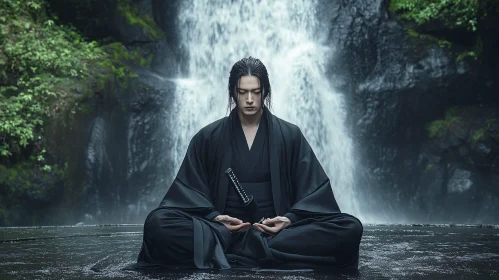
[{"x": 250, "y": 108}]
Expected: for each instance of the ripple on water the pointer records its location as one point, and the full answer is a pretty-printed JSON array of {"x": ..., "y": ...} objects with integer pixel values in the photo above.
[
  {"x": 478, "y": 256},
  {"x": 12, "y": 263}
]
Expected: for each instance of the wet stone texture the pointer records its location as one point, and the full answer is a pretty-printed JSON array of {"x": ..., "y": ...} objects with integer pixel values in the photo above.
[{"x": 387, "y": 252}]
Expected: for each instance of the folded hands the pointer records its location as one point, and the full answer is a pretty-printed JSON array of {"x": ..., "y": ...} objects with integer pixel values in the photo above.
[{"x": 269, "y": 226}]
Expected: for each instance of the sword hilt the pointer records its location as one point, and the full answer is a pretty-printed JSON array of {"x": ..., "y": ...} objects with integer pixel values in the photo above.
[{"x": 239, "y": 189}]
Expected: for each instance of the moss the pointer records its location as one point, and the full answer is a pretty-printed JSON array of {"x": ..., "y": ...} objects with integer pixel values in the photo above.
[
  {"x": 478, "y": 122},
  {"x": 428, "y": 167},
  {"x": 452, "y": 120},
  {"x": 478, "y": 135},
  {"x": 413, "y": 33},
  {"x": 117, "y": 65},
  {"x": 444, "y": 43},
  {"x": 460, "y": 57},
  {"x": 131, "y": 13},
  {"x": 475, "y": 53},
  {"x": 441, "y": 42}
]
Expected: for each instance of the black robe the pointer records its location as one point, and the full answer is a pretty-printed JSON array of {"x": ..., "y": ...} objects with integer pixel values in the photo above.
[
  {"x": 300, "y": 186},
  {"x": 301, "y": 191}
]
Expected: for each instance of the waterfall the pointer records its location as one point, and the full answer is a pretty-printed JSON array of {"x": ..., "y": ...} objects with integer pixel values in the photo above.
[{"x": 285, "y": 36}]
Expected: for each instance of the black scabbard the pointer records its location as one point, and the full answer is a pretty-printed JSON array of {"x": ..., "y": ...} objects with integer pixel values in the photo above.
[{"x": 249, "y": 203}]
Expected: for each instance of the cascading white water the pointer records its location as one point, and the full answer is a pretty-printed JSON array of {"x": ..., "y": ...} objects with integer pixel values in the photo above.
[{"x": 285, "y": 37}]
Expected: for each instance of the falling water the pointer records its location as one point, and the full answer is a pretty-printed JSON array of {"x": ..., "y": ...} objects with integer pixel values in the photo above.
[{"x": 284, "y": 35}]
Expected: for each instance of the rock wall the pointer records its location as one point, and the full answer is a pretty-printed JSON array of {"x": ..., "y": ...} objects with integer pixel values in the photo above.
[{"x": 397, "y": 85}]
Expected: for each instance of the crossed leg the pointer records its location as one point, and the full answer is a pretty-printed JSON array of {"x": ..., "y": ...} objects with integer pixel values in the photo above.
[{"x": 333, "y": 241}]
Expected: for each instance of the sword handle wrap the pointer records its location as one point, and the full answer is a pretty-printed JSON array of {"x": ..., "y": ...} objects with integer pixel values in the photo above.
[{"x": 249, "y": 203}]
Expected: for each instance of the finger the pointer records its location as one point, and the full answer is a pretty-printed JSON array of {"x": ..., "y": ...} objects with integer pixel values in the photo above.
[
  {"x": 266, "y": 231},
  {"x": 244, "y": 226},
  {"x": 221, "y": 218},
  {"x": 238, "y": 227},
  {"x": 270, "y": 229},
  {"x": 234, "y": 220},
  {"x": 231, "y": 228},
  {"x": 271, "y": 221},
  {"x": 259, "y": 228},
  {"x": 228, "y": 219}
]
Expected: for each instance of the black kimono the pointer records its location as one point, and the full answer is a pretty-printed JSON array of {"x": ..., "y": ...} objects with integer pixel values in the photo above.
[{"x": 286, "y": 179}]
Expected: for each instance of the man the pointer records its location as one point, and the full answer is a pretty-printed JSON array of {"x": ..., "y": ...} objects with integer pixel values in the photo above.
[{"x": 201, "y": 221}]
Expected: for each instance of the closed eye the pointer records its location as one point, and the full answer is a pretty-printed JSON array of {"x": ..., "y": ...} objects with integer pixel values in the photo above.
[{"x": 243, "y": 92}]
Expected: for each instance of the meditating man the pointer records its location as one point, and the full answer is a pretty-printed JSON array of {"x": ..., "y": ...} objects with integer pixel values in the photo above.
[{"x": 202, "y": 222}]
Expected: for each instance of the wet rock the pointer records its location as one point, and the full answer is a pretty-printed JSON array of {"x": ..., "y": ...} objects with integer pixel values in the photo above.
[
  {"x": 460, "y": 182},
  {"x": 397, "y": 84}
]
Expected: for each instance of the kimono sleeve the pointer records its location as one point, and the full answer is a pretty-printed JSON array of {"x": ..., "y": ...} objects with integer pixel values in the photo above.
[
  {"x": 313, "y": 194},
  {"x": 189, "y": 190}
]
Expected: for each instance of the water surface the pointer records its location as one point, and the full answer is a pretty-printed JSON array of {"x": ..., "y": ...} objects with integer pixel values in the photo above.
[{"x": 387, "y": 252}]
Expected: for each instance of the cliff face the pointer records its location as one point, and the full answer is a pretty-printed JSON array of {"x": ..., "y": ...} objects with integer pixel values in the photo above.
[{"x": 425, "y": 122}]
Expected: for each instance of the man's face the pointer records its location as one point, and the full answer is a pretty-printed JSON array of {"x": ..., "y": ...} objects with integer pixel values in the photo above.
[{"x": 249, "y": 95}]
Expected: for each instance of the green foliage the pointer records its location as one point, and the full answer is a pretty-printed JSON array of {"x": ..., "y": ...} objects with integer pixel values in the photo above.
[
  {"x": 37, "y": 56},
  {"x": 452, "y": 120},
  {"x": 453, "y": 13},
  {"x": 19, "y": 181},
  {"x": 46, "y": 69},
  {"x": 23, "y": 188}
]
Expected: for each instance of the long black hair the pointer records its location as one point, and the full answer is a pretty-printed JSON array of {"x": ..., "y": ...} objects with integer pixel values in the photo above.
[{"x": 249, "y": 66}]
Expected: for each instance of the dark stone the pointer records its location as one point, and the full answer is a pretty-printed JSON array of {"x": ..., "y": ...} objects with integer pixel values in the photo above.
[
  {"x": 395, "y": 85},
  {"x": 127, "y": 155}
]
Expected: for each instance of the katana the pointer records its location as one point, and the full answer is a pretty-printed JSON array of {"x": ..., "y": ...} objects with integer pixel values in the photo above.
[{"x": 249, "y": 203}]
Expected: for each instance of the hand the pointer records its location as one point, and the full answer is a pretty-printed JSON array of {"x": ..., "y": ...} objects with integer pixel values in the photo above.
[
  {"x": 272, "y": 226},
  {"x": 233, "y": 224}
]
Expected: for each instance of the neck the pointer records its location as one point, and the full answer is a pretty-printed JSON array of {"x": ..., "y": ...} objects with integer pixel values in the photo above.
[{"x": 251, "y": 120}]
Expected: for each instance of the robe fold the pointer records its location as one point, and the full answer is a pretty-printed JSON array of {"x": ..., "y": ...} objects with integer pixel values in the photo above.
[{"x": 300, "y": 190}]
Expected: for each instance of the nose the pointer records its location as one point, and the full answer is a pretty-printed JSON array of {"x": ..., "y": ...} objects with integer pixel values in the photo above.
[{"x": 250, "y": 98}]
